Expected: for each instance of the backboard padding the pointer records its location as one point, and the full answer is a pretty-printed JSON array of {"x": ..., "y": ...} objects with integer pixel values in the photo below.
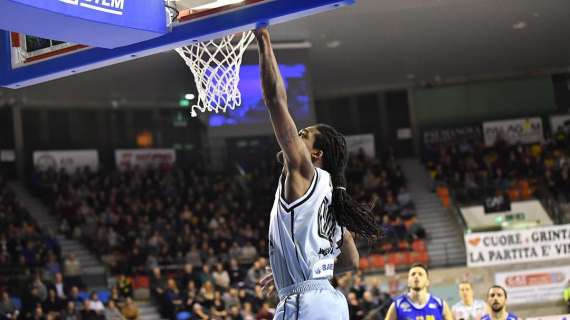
[{"x": 200, "y": 28}]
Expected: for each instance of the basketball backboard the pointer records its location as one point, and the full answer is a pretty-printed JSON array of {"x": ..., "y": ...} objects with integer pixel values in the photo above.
[{"x": 27, "y": 60}]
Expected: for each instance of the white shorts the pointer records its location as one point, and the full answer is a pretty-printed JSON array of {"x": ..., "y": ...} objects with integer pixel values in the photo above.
[{"x": 311, "y": 300}]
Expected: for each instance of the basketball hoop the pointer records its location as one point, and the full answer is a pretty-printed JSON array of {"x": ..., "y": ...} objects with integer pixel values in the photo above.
[{"x": 215, "y": 65}]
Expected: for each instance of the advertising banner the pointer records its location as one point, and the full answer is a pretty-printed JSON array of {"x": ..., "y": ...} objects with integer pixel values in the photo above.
[
  {"x": 453, "y": 135},
  {"x": 557, "y": 317},
  {"x": 517, "y": 246},
  {"x": 534, "y": 285},
  {"x": 144, "y": 158},
  {"x": 558, "y": 121},
  {"x": 365, "y": 142},
  {"x": 514, "y": 131},
  {"x": 67, "y": 160}
]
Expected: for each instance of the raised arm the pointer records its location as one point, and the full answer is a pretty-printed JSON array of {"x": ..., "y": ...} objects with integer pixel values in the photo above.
[{"x": 297, "y": 157}]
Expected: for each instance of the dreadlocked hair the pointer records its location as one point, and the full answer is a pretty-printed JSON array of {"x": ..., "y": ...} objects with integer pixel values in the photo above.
[{"x": 348, "y": 213}]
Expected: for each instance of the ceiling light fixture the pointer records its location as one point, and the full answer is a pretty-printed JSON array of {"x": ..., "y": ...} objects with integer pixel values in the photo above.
[
  {"x": 519, "y": 25},
  {"x": 333, "y": 44}
]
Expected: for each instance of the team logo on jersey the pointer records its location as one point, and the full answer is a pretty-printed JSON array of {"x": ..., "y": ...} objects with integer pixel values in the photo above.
[
  {"x": 326, "y": 222},
  {"x": 432, "y": 306},
  {"x": 406, "y": 307}
]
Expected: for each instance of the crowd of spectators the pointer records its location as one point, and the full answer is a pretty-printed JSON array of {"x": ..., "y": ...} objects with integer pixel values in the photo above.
[
  {"x": 214, "y": 224},
  {"x": 380, "y": 182},
  {"x": 36, "y": 282},
  {"x": 473, "y": 171},
  {"x": 233, "y": 292}
]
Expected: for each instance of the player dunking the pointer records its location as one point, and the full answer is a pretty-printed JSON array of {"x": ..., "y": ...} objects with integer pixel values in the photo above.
[{"x": 308, "y": 237}]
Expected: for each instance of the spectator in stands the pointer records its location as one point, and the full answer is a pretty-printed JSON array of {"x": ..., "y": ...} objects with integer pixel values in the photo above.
[
  {"x": 38, "y": 314},
  {"x": 256, "y": 272},
  {"x": 40, "y": 286},
  {"x": 248, "y": 253},
  {"x": 231, "y": 297},
  {"x": 221, "y": 277},
  {"x": 172, "y": 299},
  {"x": 247, "y": 311},
  {"x": 130, "y": 311},
  {"x": 416, "y": 231},
  {"x": 235, "y": 271},
  {"x": 72, "y": 270},
  {"x": 358, "y": 288},
  {"x": 206, "y": 295},
  {"x": 8, "y": 309},
  {"x": 88, "y": 314},
  {"x": 204, "y": 275},
  {"x": 234, "y": 313},
  {"x": 30, "y": 302},
  {"x": 112, "y": 312},
  {"x": 188, "y": 274},
  {"x": 157, "y": 285},
  {"x": 53, "y": 266},
  {"x": 124, "y": 286},
  {"x": 368, "y": 304},
  {"x": 218, "y": 309},
  {"x": 199, "y": 313},
  {"x": 193, "y": 256},
  {"x": 355, "y": 311},
  {"x": 116, "y": 297},
  {"x": 264, "y": 312},
  {"x": 70, "y": 312},
  {"x": 58, "y": 286},
  {"x": 53, "y": 304},
  {"x": 95, "y": 304},
  {"x": 404, "y": 197},
  {"x": 75, "y": 297}
]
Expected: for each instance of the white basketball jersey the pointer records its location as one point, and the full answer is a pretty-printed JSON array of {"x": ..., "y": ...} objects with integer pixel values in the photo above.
[
  {"x": 303, "y": 235},
  {"x": 463, "y": 312}
]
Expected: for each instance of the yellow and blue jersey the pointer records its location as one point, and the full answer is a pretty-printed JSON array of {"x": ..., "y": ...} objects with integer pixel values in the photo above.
[{"x": 406, "y": 309}]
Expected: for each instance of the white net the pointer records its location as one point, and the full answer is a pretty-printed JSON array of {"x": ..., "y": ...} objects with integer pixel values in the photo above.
[{"x": 215, "y": 65}]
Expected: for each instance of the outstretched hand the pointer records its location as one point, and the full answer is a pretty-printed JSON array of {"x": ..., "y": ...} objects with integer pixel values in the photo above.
[
  {"x": 260, "y": 32},
  {"x": 267, "y": 285}
]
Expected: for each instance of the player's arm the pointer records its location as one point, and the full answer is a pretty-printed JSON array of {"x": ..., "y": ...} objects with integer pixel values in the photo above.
[
  {"x": 391, "y": 314},
  {"x": 348, "y": 258},
  {"x": 297, "y": 157},
  {"x": 447, "y": 315}
]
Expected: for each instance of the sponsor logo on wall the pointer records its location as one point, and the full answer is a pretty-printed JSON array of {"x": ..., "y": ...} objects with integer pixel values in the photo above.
[
  {"x": 66, "y": 160},
  {"x": 498, "y": 203},
  {"x": 144, "y": 158},
  {"x": 507, "y": 247},
  {"x": 556, "y": 317},
  {"x": 361, "y": 142},
  {"x": 534, "y": 285},
  {"x": 560, "y": 121},
  {"x": 453, "y": 135},
  {"x": 513, "y": 132}
]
